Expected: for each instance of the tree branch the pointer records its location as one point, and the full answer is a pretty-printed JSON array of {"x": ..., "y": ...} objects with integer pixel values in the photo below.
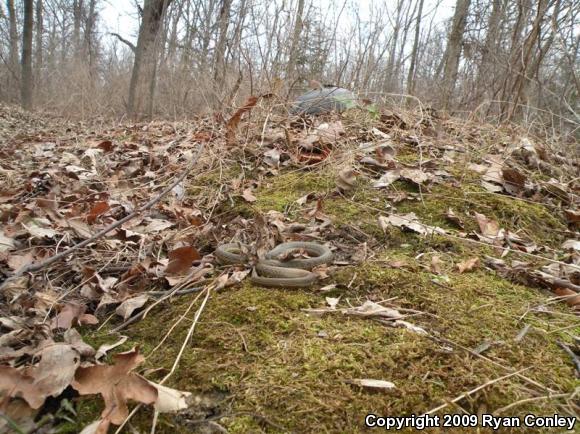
[{"x": 124, "y": 41}]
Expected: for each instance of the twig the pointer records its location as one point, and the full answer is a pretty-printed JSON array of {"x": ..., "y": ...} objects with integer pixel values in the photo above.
[
  {"x": 524, "y": 401},
  {"x": 31, "y": 268},
  {"x": 125, "y": 41},
  {"x": 572, "y": 354},
  {"x": 472, "y": 391},
  {"x": 175, "y": 324},
  {"x": 481, "y": 356},
  {"x": 175, "y": 363}
]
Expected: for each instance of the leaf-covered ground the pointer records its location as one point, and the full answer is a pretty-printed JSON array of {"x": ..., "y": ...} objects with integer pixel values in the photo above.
[{"x": 462, "y": 238}]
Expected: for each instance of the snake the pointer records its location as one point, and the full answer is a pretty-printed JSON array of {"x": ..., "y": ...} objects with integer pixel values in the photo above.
[{"x": 294, "y": 273}]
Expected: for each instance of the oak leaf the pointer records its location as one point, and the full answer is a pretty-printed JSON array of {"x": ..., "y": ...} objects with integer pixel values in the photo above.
[{"x": 116, "y": 384}]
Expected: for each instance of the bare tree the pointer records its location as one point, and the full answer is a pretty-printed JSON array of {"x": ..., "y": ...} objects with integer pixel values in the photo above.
[
  {"x": 13, "y": 32},
  {"x": 144, "y": 66},
  {"x": 453, "y": 52},
  {"x": 295, "y": 41},
  {"x": 411, "y": 74},
  {"x": 26, "y": 80},
  {"x": 220, "y": 51},
  {"x": 38, "y": 49}
]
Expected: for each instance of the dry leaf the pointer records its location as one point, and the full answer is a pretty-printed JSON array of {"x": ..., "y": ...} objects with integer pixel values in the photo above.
[
  {"x": 13, "y": 289},
  {"x": 346, "y": 179},
  {"x": 170, "y": 400},
  {"x": 436, "y": 264},
  {"x": 106, "y": 146},
  {"x": 332, "y": 301},
  {"x": 488, "y": 227},
  {"x": 572, "y": 298},
  {"x": 249, "y": 196},
  {"x": 513, "y": 180},
  {"x": 571, "y": 245},
  {"x": 98, "y": 209},
  {"x": 72, "y": 313},
  {"x": 6, "y": 243},
  {"x": 233, "y": 122},
  {"x": 74, "y": 338},
  {"x": 19, "y": 384},
  {"x": 127, "y": 308},
  {"x": 56, "y": 370},
  {"x": 387, "y": 179},
  {"x": 15, "y": 262},
  {"x": 180, "y": 259},
  {"x": 416, "y": 176},
  {"x": 372, "y": 309},
  {"x": 117, "y": 384},
  {"x": 100, "y": 426},
  {"x": 373, "y": 384},
  {"x": 104, "y": 348},
  {"x": 468, "y": 265},
  {"x": 453, "y": 218}
]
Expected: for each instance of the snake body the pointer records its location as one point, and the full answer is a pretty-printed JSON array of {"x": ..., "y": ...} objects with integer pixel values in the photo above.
[{"x": 294, "y": 273}]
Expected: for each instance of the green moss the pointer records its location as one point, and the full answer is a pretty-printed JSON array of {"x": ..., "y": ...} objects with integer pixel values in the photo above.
[
  {"x": 281, "y": 192},
  {"x": 281, "y": 367},
  {"x": 517, "y": 216}
]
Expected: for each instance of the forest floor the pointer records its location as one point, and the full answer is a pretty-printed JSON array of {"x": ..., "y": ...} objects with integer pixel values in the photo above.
[{"x": 453, "y": 288}]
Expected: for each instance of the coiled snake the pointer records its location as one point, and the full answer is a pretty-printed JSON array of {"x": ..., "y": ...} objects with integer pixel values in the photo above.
[{"x": 294, "y": 273}]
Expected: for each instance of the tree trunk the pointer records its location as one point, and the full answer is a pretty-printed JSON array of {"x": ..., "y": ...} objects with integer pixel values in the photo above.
[
  {"x": 220, "y": 51},
  {"x": 77, "y": 15},
  {"x": 295, "y": 43},
  {"x": 529, "y": 44},
  {"x": 454, "y": 46},
  {"x": 486, "y": 66},
  {"x": 411, "y": 75},
  {"x": 144, "y": 65},
  {"x": 26, "y": 81},
  {"x": 89, "y": 53},
  {"x": 13, "y": 31},
  {"x": 39, "y": 30}
]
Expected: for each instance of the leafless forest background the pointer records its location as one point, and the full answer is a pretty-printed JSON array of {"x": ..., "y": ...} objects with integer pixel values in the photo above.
[{"x": 504, "y": 60}]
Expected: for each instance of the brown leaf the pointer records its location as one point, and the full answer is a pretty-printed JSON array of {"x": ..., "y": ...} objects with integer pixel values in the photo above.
[
  {"x": 17, "y": 383},
  {"x": 170, "y": 400},
  {"x": 100, "y": 426},
  {"x": 453, "y": 218},
  {"x": 514, "y": 181},
  {"x": 468, "y": 265},
  {"x": 106, "y": 146},
  {"x": 6, "y": 243},
  {"x": 416, "y": 176},
  {"x": 104, "y": 348},
  {"x": 387, "y": 179},
  {"x": 234, "y": 121},
  {"x": 56, "y": 370},
  {"x": 573, "y": 216},
  {"x": 15, "y": 262},
  {"x": 17, "y": 412},
  {"x": 249, "y": 196},
  {"x": 14, "y": 288},
  {"x": 373, "y": 384},
  {"x": 75, "y": 340},
  {"x": 488, "y": 227},
  {"x": 127, "y": 308},
  {"x": 72, "y": 313},
  {"x": 99, "y": 208},
  {"x": 180, "y": 259},
  {"x": 571, "y": 297},
  {"x": 346, "y": 179},
  {"x": 436, "y": 264},
  {"x": 116, "y": 384}
]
